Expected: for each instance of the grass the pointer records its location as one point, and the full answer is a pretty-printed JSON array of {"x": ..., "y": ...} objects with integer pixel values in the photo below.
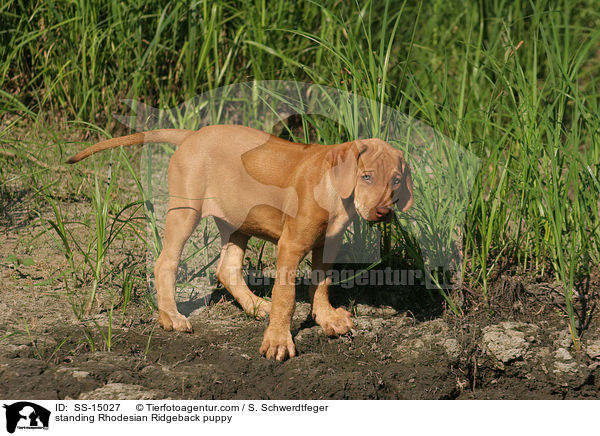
[{"x": 514, "y": 83}]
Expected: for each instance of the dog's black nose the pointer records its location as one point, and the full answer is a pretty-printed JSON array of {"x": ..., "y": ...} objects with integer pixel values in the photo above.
[{"x": 382, "y": 211}]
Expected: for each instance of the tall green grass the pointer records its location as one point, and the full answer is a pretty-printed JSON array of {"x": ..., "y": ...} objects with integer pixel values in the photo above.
[{"x": 516, "y": 83}]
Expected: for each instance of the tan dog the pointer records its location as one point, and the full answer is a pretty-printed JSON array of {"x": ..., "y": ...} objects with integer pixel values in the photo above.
[{"x": 300, "y": 197}]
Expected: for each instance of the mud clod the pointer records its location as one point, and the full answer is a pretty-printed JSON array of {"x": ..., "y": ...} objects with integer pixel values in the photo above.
[
  {"x": 508, "y": 341},
  {"x": 592, "y": 349}
]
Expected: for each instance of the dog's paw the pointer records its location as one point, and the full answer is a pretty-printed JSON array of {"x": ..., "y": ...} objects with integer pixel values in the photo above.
[
  {"x": 334, "y": 322},
  {"x": 277, "y": 344},
  {"x": 258, "y": 309},
  {"x": 176, "y": 322}
]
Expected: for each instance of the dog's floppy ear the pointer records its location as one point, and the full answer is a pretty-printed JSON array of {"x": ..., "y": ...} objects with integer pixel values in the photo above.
[
  {"x": 405, "y": 193},
  {"x": 344, "y": 166}
]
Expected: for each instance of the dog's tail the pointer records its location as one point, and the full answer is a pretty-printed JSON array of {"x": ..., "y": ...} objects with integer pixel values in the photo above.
[{"x": 173, "y": 136}]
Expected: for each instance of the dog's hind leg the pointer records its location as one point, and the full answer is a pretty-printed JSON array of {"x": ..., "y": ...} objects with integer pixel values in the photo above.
[
  {"x": 229, "y": 273},
  {"x": 180, "y": 223}
]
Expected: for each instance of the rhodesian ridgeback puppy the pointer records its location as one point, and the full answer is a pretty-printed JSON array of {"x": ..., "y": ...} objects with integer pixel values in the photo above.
[{"x": 299, "y": 196}]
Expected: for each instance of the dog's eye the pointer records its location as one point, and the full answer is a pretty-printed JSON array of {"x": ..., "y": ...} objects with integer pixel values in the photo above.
[
  {"x": 396, "y": 181},
  {"x": 366, "y": 177}
]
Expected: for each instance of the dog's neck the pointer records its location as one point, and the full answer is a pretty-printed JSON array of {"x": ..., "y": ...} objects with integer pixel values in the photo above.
[{"x": 349, "y": 207}]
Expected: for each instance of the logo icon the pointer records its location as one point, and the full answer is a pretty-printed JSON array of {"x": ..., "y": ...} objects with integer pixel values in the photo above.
[{"x": 26, "y": 415}]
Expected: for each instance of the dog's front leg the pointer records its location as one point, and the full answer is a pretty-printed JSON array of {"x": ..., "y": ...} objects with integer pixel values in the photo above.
[
  {"x": 333, "y": 321},
  {"x": 277, "y": 342}
]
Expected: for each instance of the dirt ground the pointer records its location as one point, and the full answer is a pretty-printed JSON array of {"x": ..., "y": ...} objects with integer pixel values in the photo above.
[{"x": 404, "y": 345}]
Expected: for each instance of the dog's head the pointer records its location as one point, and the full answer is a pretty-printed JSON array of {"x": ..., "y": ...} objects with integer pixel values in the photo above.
[{"x": 375, "y": 173}]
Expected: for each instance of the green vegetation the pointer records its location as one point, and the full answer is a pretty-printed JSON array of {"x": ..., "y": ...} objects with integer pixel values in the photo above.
[{"x": 516, "y": 83}]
